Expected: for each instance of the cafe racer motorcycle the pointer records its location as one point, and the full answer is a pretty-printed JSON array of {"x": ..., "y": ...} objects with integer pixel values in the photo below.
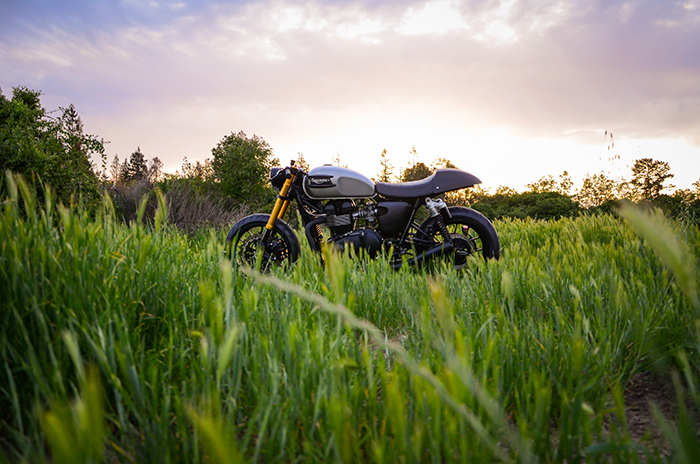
[{"x": 347, "y": 210}]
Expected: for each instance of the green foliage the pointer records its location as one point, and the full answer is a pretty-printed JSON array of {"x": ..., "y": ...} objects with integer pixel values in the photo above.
[
  {"x": 53, "y": 150},
  {"x": 443, "y": 163},
  {"x": 75, "y": 432},
  {"x": 648, "y": 177},
  {"x": 466, "y": 197},
  {"x": 678, "y": 205},
  {"x": 416, "y": 172},
  {"x": 596, "y": 190},
  {"x": 544, "y": 205},
  {"x": 241, "y": 165},
  {"x": 524, "y": 359},
  {"x": 550, "y": 184}
]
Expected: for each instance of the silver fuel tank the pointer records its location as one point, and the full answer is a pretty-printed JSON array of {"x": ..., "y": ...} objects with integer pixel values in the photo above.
[{"x": 329, "y": 182}]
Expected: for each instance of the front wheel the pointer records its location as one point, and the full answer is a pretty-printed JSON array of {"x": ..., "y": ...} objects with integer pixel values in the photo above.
[
  {"x": 245, "y": 247},
  {"x": 471, "y": 233}
]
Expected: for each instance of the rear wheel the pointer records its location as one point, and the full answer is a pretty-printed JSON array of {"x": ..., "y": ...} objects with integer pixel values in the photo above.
[
  {"x": 471, "y": 234},
  {"x": 245, "y": 247}
]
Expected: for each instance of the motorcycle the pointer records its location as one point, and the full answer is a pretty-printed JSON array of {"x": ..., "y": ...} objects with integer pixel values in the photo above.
[{"x": 347, "y": 210}]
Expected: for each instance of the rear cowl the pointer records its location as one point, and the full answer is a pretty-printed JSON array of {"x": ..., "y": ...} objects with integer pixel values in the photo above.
[{"x": 328, "y": 182}]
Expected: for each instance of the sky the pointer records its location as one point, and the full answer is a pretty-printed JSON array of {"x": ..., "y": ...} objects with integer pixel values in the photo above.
[{"x": 508, "y": 90}]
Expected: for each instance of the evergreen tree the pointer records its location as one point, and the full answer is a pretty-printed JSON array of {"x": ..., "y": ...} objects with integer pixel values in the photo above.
[
  {"x": 155, "y": 170},
  {"x": 115, "y": 170},
  {"x": 135, "y": 168},
  {"x": 386, "y": 170}
]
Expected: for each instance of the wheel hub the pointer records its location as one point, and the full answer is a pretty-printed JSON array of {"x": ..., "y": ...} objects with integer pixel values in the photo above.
[{"x": 464, "y": 247}]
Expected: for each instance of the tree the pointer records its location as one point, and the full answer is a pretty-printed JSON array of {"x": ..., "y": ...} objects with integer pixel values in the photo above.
[
  {"x": 466, "y": 197},
  {"x": 413, "y": 153},
  {"x": 648, "y": 177},
  {"x": 115, "y": 170},
  {"x": 201, "y": 171},
  {"x": 565, "y": 183},
  {"x": 596, "y": 190},
  {"x": 443, "y": 163},
  {"x": 549, "y": 184},
  {"x": 544, "y": 184},
  {"x": 301, "y": 163},
  {"x": 241, "y": 165},
  {"x": 54, "y": 150},
  {"x": 505, "y": 191},
  {"x": 155, "y": 170},
  {"x": 24, "y": 145},
  {"x": 386, "y": 170},
  {"x": 416, "y": 172},
  {"x": 135, "y": 168},
  {"x": 76, "y": 166}
]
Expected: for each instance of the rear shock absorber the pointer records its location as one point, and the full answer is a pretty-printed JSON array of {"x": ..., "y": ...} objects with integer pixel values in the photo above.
[{"x": 438, "y": 209}]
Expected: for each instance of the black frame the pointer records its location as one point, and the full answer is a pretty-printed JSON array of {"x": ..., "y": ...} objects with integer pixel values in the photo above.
[{"x": 312, "y": 210}]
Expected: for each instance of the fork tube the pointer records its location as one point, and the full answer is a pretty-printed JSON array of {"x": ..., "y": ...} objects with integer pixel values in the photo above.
[
  {"x": 283, "y": 211},
  {"x": 281, "y": 204}
]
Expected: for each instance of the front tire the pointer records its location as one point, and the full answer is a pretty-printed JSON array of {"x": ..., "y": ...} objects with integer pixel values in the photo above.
[
  {"x": 245, "y": 248},
  {"x": 471, "y": 233}
]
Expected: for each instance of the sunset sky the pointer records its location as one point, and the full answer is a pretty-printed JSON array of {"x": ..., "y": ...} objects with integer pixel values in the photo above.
[{"x": 507, "y": 90}]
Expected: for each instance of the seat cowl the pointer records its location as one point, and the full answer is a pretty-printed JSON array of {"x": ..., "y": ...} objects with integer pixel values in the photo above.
[{"x": 444, "y": 180}]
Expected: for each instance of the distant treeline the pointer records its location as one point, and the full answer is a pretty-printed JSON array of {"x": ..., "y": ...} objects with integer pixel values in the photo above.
[
  {"x": 552, "y": 198},
  {"x": 54, "y": 151}
]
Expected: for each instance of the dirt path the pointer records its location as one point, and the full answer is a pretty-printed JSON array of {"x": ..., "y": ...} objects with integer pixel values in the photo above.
[{"x": 643, "y": 389}]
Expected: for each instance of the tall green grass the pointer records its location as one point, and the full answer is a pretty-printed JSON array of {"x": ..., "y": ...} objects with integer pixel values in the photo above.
[{"x": 149, "y": 345}]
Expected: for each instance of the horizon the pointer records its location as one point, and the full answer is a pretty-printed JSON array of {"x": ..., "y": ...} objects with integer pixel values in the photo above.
[{"x": 509, "y": 91}]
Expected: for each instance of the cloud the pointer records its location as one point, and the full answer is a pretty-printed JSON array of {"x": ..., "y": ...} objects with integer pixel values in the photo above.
[{"x": 561, "y": 69}]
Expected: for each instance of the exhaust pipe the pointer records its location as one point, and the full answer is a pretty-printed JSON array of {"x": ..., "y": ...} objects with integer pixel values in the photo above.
[{"x": 432, "y": 253}]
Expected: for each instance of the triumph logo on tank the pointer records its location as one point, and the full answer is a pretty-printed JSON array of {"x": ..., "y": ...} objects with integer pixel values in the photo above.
[{"x": 320, "y": 181}]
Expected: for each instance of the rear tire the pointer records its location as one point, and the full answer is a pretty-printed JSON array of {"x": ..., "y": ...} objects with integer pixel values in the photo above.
[
  {"x": 244, "y": 248},
  {"x": 471, "y": 233}
]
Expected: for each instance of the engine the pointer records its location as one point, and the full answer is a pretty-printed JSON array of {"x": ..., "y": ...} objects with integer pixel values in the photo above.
[
  {"x": 339, "y": 217},
  {"x": 388, "y": 217},
  {"x": 361, "y": 239}
]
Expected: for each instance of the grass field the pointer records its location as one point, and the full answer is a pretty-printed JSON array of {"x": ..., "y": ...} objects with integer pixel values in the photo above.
[{"x": 139, "y": 344}]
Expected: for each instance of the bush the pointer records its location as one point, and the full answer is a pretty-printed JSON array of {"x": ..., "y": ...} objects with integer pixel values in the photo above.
[
  {"x": 542, "y": 205},
  {"x": 241, "y": 165},
  {"x": 190, "y": 208}
]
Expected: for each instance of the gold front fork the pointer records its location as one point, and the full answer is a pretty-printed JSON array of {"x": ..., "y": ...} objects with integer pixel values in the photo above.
[{"x": 282, "y": 203}]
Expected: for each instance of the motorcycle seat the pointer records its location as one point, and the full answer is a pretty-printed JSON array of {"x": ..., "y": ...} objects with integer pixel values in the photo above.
[{"x": 444, "y": 180}]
